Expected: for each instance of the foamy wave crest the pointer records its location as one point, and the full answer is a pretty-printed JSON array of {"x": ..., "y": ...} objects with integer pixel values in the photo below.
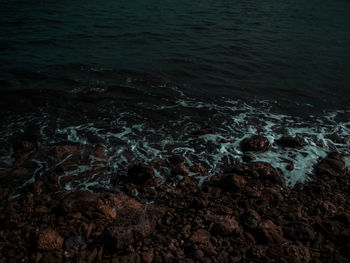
[{"x": 164, "y": 130}]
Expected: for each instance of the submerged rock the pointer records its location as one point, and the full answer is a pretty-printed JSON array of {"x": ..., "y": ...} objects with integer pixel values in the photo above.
[
  {"x": 140, "y": 173},
  {"x": 291, "y": 142},
  {"x": 256, "y": 143}
]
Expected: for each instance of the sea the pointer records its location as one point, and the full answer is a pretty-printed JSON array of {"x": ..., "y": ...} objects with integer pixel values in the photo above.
[{"x": 142, "y": 76}]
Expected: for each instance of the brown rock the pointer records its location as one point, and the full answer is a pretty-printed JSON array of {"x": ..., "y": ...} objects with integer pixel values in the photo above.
[
  {"x": 199, "y": 169},
  {"x": 228, "y": 182},
  {"x": 142, "y": 229},
  {"x": 228, "y": 141},
  {"x": 291, "y": 142},
  {"x": 129, "y": 258},
  {"x": 251, "y": 219},
  {"x": 259, "y": 251},
  {"x": 52, "y": 257},
  {"x": 74, "y": 242},
  {"x": 176, "y": 160},
  {"x": 37, "y": 187},
  {"x": 181, "y": 170},
  {"x": 88, "y": 256},
  {"x": 299, "y": 231},
  {"x": 79, "y": 201},
  {"x": 269, "y": 233},
  {"x": 248, "y": 158},
  {"x": 272, "y": 193},
  {"x": 329, "y": 207},
  {"x": 299, "y": 254},
  {"x": 49, "y": 239},
  {"x": 204, "y": 131},
  {"x": 256, "y": 143},
  {"x": 109, "y": 212},
  {"x": 117, "y": 237},
  {"x": 140, "y": 173},
  {"x": 267, "y": 172},
  {"x": 200, "y": 236},
  {"x": 332, "y": 165},
  {"x": 225, "y": 225},
  {"x": 147, "y": 256}
]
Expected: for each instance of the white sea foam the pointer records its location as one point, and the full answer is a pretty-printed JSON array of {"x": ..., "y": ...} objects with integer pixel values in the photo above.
[{"x": 128, "y": 141}]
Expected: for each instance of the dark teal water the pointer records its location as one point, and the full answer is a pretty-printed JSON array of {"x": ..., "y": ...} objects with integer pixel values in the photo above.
[{"x": 292, "y": 52}]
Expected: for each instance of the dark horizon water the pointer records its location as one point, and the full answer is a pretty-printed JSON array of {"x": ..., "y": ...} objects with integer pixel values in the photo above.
[
  {"x": 293, "y": 52},
  {"x": 142, "y": 76}
]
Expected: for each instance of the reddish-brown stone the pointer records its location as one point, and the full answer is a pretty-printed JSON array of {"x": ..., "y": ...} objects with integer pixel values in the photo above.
[{"x": 49, "y": 239}]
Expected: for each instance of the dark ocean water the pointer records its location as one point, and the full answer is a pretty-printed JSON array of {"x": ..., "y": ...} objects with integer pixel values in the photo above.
[{"x": 154, "y": 71}]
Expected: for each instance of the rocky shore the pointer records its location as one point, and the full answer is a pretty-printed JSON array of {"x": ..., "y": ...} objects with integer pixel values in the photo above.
[{"x": 245, "y": 213}]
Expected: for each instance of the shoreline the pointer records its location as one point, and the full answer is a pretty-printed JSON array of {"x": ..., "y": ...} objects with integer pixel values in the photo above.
[{"x": 244, "y": 214}]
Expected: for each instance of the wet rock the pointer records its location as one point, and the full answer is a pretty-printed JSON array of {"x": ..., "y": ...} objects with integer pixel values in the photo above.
[
  {"x": 180, "y": 170},
  {"x": 23, "y": 146},
  {"x": 198, "y": 169},
  {"x": 291, "y": 142},
  {"x": 37, "y": 187},
  {"x": 56, "y": 153},
  {"x": 272, "y": 194},
  {"x": 299, "y": 231},
  {"x": 228, "y": 141},
  {"x": 74, "y": 242},
  {"x": 187, "y": 182},
  {"x": 333, "y": 165},
  {"x": 147, "y": 256},
  {"x": 259, "y": 251},
  {"x": 88, "y": 256},
  {"x": 225, "y": 225},
  {"x": 129, "y": 258},
  {"x": 142, "y": 229},
  {"x": 256, "y": 143},
  {"x": 248, "y": 158},
  {"x": 79, "y": 201},
  {"x": 251, "y": 219},
  {"x": 290, "y": 166},
  {"x": 117, "y": 237},
  {"x": 267, "y": 172},
  {"x": 204, "y": 131},
  {"x": 344, "y": 217},
  {"x": 140, "y": 173},
  {"x": 176, "y": 160},
  {"x": 228, "y": 182},
  {"x": 107, "y": 211},
  {"x": 299, "y": 254},
  {"x": 329, "y": 207},
  {"x": 201, "y": 236},
  {"x": 51, "y": 257},
  {"x": 49, "y": 239},
  {"x": 269, "y": 233}
]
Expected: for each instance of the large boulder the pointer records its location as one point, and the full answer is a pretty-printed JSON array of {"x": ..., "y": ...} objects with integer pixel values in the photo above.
[
  {"x": 140, "y": 173},
  {"x": 256, "y": 143},
  {"x": 291, "y": 142},
  {"x": 228, "y": 182},
  {"x": 333, "y": 165}
]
